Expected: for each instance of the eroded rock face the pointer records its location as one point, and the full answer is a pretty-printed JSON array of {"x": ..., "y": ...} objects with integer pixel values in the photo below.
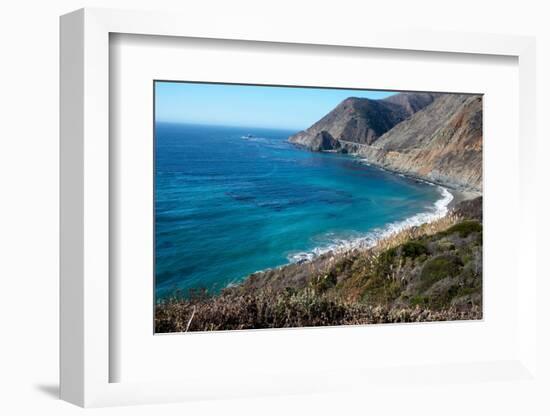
[
  {"x": 361, "y": 120},
  {"x": 412, "y": 102},
  {"x": 441, "y": 143},
  {"x": 324, "y": 141},
  {"x": 470, "y": 208},
  {"x": 437, "y": 137}
]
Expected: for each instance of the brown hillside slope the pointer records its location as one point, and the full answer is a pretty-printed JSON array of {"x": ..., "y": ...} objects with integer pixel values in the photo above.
[
  {"x": 360, "y": 120},
  {"x": 441, "y": 143}
]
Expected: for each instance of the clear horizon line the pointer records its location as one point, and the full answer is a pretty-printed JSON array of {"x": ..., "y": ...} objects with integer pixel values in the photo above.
[{"x": 229, "y": 125}]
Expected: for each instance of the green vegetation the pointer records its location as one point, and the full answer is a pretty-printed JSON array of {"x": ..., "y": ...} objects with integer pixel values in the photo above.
[
  {"x": 380, "y": 291},
  {"x": 413, "y": 249},
  {"x": 386, "y": 262},
  {"x": 266, "y": 309},
  {"x": 429, "y": 273},
  {"x": 321, "y": 284},
  {"x": 438, "y": 268},
  {"x": 464, "y": 229}
]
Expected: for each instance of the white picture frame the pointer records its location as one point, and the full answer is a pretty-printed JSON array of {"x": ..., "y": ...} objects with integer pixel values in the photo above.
[{"x": 86, "y": 356}]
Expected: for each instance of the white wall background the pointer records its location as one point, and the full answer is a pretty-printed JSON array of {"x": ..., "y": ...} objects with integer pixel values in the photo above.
[{"x": 29, "y": 183}]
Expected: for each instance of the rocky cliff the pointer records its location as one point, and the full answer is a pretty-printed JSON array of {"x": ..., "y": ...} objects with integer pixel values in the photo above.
[
  {"x": 361, "y": 120},
  {"x": 441, "y": 143},
  {"x": 437, "y": 137}
]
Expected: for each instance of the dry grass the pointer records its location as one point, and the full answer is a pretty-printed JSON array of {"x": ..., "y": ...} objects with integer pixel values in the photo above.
[
  {"x": 371, "y": 254},
  {"x": 320, "y": 302},
  {"x": 267, "y": 309},
  {"x": 412, "y": 233}
]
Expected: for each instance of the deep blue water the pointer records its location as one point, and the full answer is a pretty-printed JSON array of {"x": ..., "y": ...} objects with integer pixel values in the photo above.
[{"x": 227, "y": 206}]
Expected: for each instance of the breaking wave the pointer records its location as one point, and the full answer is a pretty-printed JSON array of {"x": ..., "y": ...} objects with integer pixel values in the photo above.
[{"x": 339, "y": 245}]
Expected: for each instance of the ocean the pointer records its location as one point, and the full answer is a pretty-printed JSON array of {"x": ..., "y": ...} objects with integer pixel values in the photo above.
[{"x": 230, "y": 201}]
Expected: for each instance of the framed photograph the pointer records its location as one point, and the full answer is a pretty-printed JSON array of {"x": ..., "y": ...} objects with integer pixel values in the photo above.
[
  {"x": 282, "y": 213},
  {"x": 282, "y": 207}
]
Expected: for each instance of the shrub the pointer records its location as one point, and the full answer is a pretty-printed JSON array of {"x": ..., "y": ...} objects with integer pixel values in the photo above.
[
  {"x": 438, "y": 268},
  {"x": 464, "y": 229},
  {"x": 418, "y": 300},
  {"x": 385, "y": 262},
  {"x": 267, "y": 309},
  {"x": 322, "y": 283},
  {"x": 413, "y": 249},
  {"x": 380, "y": 290}
]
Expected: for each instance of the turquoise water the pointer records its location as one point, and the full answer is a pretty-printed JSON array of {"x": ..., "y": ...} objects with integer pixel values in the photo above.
[{"x": 228, "y": 205}]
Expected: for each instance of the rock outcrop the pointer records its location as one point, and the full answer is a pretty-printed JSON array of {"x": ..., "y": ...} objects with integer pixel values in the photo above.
[
  {"x": 442, "y": 143},
  {"x": 437, "y": 137},
  {"x": 412, "y": 102},
  {"x": 361, "y": 120},
  {"x": 324, "y": 141}
]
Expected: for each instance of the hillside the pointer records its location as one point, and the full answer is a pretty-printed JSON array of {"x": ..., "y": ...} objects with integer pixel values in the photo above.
[
  {"x": 437, "y": 137},
  {"x": 361, "y": 120},
  {"x": 441, "y": 143},
  {"x": 427, "y": 273}
]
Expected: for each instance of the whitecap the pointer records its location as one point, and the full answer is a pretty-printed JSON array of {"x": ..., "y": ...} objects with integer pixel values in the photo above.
[{"x": 338, "y": 245}]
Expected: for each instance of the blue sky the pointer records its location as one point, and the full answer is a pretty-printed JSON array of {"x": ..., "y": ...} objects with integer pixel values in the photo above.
[{"x": 251, "y": 106}]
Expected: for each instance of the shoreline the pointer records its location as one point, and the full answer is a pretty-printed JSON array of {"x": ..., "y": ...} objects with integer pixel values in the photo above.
[
  {"x": 371, "y": 238},
  {"x": 462, "y": 193},
  {"x": 426, "y": 273},
  {"x": 459, "y": 195},
  {"x": 375, "y": 236},
  {"x": 440, "y": 208},
  {"x": 449, "y": 199}
]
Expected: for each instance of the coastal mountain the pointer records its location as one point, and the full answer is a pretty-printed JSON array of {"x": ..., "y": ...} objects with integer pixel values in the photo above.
[
  {"x": 360, "y": 120},
  {"x": 442, "y": 143},
  {"x": 437, "y": 137},
  {"x": 412, "y": 102}
]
